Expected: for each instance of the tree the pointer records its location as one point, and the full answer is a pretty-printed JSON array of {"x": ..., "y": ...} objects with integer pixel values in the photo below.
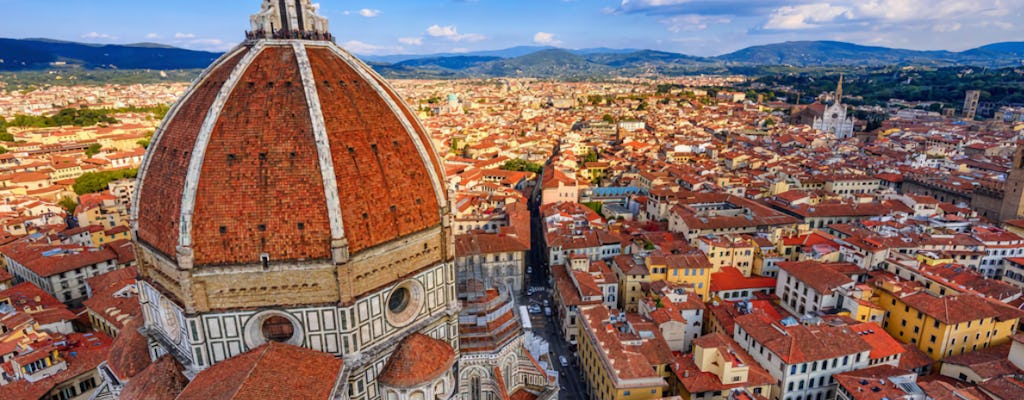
[
  {"x": 3, "y": 150},
  {"x": 591, "y": 156},
  {"x": 144, "y": 143},
  {"x": 68, "y": 204},
  {"x": 596, "y": 206},
  {"x": 521, "y": 165},
  {"x": 94, "y": 182},
  {"x": 608, "y": 118},
  {"x": 93, "y": 149}
]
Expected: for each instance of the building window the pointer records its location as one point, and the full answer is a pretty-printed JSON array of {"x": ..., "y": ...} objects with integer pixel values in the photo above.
[{"x": 278, "y": 329}]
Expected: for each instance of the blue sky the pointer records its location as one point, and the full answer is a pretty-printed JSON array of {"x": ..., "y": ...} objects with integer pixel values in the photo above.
[{"x": 699, "y": 27}]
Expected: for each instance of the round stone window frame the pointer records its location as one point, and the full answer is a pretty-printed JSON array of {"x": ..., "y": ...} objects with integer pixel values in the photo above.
[
  {"x": 253, "y": 332},
  {"x": 414, "y": 304}
]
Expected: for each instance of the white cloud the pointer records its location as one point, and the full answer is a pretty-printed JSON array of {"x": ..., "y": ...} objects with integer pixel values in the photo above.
[
  {"x": 451, "y": 32},
  {"x": 949, "y": 13},
  {"x": 546, "y": 39},
  {"x": 180, "y": 35},
  {"x": 356, "y": 46},
  {"x": 97, "y": 35},
  {"x": 411, "y": 41},
  {"x": 692, "y": 22},
  {"x": 152, "y": 36},
  {"x": 806, "y": 16},
  {"x": 639, "y": 4},
  {"x": 369, "y": 13},
  {"x": 442, "y": 31},
  {"x": 947, "y": 27}
]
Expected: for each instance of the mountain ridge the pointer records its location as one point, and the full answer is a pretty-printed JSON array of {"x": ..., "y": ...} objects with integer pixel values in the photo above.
[{"x": 526, "y": 61}]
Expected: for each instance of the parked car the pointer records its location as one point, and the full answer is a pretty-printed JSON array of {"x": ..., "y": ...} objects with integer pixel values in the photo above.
[
  {"x": 547, "y": 311},
  {"x": 534, "y": 309},
  {"x": 529, "y": 291},
  {"x": 546, "y": 304},
  {"x": 529, "y": 269},
  {"x": 563, "y": 361}
]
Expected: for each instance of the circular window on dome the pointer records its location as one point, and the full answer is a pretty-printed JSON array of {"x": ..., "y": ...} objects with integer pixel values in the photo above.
[
  {"x": 404, "y": 303},
  {"x": 278, "y": 329},
  {"x": 273, "y": 326}
]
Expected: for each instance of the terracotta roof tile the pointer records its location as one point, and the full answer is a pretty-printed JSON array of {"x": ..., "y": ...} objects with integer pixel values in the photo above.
[
  {"x": 129, "y": 354},
  {"x": 417, "y": 360},
  {"x": 161, "y": 380},
  {"x": 271, "y": 371}
]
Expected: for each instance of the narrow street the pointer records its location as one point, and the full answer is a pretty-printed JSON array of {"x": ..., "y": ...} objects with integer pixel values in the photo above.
[{"x": 570, "y": 377}]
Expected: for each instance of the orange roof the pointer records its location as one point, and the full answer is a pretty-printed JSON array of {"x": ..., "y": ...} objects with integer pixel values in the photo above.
[
  {"x": 271, "y": 371},
  {"x": 730, "y": 278},
  {"x": 162, "y": 380},
  {"x": 418, "y": 359},
  {"x": 882, "y": 344}
]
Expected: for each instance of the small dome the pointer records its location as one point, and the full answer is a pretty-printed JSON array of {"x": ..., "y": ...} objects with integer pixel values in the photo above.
[{"x": 419, "y": 359}]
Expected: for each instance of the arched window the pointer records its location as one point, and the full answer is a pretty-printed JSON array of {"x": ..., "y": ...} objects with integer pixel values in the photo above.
[{"x": 475, "y": 391}]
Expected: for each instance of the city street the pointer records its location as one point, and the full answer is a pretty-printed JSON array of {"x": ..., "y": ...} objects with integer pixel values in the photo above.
[{"x": 570, "y": 379}]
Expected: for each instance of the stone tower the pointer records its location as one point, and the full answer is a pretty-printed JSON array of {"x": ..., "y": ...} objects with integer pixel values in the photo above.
[
  {"x": 292, "y": 196},
  {"x": 834, "y": 119},
  {"x": 1013, "y": 190}
]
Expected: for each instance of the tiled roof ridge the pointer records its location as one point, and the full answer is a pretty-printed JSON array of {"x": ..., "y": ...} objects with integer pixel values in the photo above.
[{"x": 253, "y": 368}]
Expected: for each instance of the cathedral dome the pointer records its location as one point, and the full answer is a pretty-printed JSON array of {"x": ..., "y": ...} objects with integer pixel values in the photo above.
[{"x": 287, "y": 148}]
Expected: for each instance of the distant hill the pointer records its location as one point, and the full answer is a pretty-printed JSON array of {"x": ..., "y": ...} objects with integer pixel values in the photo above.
[
  {"x": 30, "y": 54},
  {"x": 456, "y": 62},
  {"x": 833, "y": 53},
  {"x": 822, "y": 53},
  {"x": 528, "y": 61},
  {"x": 511, "y": 52},
  {"x": 553, "y": 62}
]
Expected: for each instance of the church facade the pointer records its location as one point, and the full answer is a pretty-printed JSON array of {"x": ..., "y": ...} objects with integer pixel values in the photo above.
[{"x": 834, "y": 119}]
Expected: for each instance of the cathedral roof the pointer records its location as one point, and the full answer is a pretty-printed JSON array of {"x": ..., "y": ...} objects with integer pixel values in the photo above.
[
  {"x": 271, "y": 371},
  {"x": 287, "y": 146},
  {"x": 417, "y": 360},
  {"x": 129, "y": 354},
  {"x": 161, "y": 380}
]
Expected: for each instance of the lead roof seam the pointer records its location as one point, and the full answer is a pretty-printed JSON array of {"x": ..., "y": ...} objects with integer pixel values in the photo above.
[
  {"x": 323, "y": 145},
  {"x": 421, "y": 147},
  {"x": 188, "y": 197},
  {"x": 159, "y": 134}
]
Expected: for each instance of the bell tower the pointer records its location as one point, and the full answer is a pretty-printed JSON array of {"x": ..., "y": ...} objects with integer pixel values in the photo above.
[{"x": 1013, "y": 190}]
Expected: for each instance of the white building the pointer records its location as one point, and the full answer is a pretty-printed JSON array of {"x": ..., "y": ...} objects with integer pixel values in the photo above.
[
  {"x": 834, "y": 120},
  {"x": 809, "y": 286},
  {"x": 801, "y": 358}
]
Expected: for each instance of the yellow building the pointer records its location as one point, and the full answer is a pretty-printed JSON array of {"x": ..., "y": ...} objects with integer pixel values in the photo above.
[
  {"x": 614, "y": 356},
  {"x": 106, "y": 236},
  {"x": 729, "y": 251},
  {"x": 632, "y": 275},
  {"x": 861, "y": 306},
  {"x": 943, "y": 326},
  {"x": 686, "y": 269},
  {"x": 717, "y": 368}
]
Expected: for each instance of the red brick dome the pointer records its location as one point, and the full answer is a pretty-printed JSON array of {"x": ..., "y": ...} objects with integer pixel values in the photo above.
[
  {"x": 287, "y": 147},
  {"x": 418, "y": 359}
]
